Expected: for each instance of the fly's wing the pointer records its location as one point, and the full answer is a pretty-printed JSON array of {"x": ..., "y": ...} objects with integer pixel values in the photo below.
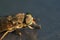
[{"x": 3, "y": 26}]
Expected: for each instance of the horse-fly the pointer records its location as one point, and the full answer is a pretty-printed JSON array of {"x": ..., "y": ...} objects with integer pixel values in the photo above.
[{"x": 12, "y": 23}]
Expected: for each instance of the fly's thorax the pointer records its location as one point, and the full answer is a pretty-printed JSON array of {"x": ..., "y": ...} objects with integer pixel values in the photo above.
[
  {"x": 19, "y": 26},
  {"x": 20, "y": 17}
]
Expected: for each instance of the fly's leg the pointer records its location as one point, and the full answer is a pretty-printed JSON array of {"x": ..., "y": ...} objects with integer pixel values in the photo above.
[
  {"x": 4, "y": 35},
  {"x": 30, "y": 27},
  {"x": 9, "y": 30},
  {"x": 18, "y": 32}
]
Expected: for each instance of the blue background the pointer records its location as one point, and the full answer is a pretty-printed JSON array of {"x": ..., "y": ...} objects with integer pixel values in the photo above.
[{"x": 47, "y": 10}]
